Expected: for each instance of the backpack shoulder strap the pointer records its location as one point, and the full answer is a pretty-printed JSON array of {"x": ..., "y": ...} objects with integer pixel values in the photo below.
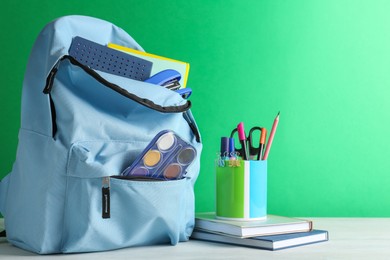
[{"x": 3, "y": 193}]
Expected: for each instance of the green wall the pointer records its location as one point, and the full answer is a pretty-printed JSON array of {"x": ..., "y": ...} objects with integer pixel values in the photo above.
[{"x": 324, "y": 64}]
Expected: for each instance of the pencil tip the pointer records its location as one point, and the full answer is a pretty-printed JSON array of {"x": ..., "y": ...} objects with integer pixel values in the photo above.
[{"x": 278, "y": 113}]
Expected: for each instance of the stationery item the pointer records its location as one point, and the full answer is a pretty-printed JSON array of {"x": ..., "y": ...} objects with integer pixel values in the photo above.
[
  {"x": 271, "y": 137},
  {"x": 241, "y": 190},
  {"x": 272, "y": 225},
  {"x": 224, "y": 147},
  {"x": 170, "y": 79},
  {"x": 251, "y": 151},
  {"x": 159, "y": 63},
  {"x": 233, "y": 162},
  {"x": 262, "y": 143},
  {"x": 242, "y": 138},
  {"x": 273, "y": 242},
  {"x": 232, "y": 149},
  {"x": 166, "y": 157},
  {"x": 173, "y": 85},
  {"x": 224, "y": 151},
  {"x": 185, "y": 92},
  {"x": 165, "y": 77},
  {"x": 109, "y": 60}
]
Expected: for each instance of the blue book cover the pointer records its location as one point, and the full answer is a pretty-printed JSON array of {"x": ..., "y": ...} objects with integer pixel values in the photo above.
[{"x": 274, "y": 242}]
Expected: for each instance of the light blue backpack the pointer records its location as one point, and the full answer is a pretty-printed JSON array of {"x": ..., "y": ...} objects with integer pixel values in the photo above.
[{"x": 80, "y": 128}]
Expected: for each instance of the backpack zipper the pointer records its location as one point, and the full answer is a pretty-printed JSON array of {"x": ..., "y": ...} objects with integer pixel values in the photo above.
[{"x": 143, "y": 101}]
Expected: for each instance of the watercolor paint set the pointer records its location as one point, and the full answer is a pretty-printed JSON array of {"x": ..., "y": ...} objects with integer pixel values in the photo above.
[{"x": 167, "y": 157}]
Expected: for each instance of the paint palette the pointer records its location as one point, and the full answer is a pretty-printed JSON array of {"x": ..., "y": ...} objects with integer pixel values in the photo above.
[{"x": 166, "y": 157}]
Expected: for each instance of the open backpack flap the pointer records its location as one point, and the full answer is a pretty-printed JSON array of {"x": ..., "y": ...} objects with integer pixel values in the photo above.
[{"x": 80, "y": 129}]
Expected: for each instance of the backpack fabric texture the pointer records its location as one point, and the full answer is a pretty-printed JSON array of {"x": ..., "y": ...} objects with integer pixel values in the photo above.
[{"x": 80, "y": 128}]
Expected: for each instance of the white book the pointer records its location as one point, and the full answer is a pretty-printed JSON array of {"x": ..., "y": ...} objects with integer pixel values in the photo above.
[{"x": 272, "y": 225}]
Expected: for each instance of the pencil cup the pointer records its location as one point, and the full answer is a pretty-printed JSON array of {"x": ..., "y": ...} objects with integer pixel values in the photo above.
[{"x": 241, "y": 190}]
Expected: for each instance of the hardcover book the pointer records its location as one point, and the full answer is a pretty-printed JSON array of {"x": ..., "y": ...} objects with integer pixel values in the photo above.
[
  {"x": 274, "y": 242},
  {"x": 272, "y": 225}
]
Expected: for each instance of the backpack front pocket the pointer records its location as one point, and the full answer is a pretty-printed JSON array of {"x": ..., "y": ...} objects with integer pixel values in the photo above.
[{"x": 140, "y": 212}]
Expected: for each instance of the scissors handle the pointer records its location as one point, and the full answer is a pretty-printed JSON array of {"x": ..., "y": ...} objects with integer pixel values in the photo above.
[
  {"x": 253, "y": 150},
  {"x": 239, "y": 150}
]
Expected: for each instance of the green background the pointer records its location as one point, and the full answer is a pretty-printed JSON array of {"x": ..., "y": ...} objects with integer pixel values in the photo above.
[{"x": 325, "y": 65}]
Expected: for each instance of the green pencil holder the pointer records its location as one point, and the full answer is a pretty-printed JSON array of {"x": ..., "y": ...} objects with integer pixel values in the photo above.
[{"x": 241, "y": 190}]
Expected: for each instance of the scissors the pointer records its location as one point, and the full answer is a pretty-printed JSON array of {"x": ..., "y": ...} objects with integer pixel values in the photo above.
[{"x": 254, "y": 152}]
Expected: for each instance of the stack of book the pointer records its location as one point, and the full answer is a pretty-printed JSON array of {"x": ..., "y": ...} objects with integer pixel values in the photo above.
[{"x": 273, "y": 233}]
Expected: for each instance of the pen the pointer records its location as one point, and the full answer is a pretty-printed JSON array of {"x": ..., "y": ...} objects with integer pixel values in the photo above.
[
  {"x": 262, "y": 143},
  {"x": 271, "y": 136},
  {"x": 242, "y": 137}
]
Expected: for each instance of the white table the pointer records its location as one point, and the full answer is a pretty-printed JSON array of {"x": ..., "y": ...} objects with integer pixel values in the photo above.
[{"x": 350, "y": 238}]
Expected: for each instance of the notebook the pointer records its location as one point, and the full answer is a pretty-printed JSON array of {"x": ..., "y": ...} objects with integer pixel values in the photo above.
[
  {"x": 272, "y": 225},
  {"x": 273, "y": 242},
  {"x": 160, "y": 63}
]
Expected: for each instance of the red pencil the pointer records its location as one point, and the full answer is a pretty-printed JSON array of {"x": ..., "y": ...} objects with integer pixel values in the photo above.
[{"x": 271, "y": 137}]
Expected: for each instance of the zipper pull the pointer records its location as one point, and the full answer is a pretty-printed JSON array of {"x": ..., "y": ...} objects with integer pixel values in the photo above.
[{"x": 106, "y": 197}]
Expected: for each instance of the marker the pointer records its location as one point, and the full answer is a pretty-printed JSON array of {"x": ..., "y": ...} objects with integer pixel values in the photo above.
[
  {"x": 232, "y": 149},
  {"x": 224, "y": 147},
  {"x": 271, "y": 137},
  {"x": 262, "y": 142},
  {"x": 242, "y": 138}
]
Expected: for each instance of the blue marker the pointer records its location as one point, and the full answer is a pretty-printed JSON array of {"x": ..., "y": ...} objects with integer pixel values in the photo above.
[
  {"x": 232, "y": 150},
  {"x": 224, "y": 147}
]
